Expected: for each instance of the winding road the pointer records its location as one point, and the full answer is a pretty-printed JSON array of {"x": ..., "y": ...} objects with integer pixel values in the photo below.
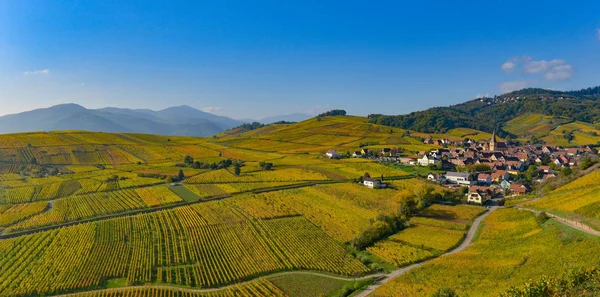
[
  {"x": 384, "y": 278},
  {"x": 396, "y": 273}
]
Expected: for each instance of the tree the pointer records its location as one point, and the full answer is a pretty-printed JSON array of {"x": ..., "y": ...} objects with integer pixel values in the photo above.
[
  {"x": 237, "y": 168},
  {"x": 408, "y": 207},
  {"x": 586, "y": 163},
  {"x": 180, "y": 175},
  {"x": 265, "y": 165},
  {"x": 541, "y": 217},
  {"x": 566, "y": 172},
  {"x": 335, "y": 112},
  {"x": 546, "y": 159},
  {"x": 367, "y": 175},
  {"x": 33, "y": 161},
  {"x": 188, "y": 160},
  {"x": 169, "y": 179}
]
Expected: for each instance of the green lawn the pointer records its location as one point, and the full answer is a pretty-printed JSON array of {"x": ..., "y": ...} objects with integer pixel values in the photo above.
[
  {"x": 415, "y": 170},
  {"x": 184, "y": 193},
  {"x": 116, "y": 283},
  {"x": 305, "y": 285}
]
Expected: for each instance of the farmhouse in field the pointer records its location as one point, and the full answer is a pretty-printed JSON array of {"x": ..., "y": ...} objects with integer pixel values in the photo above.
[
  {"x": 332, "y": 154},
  {"x": 373, "y": 183}
]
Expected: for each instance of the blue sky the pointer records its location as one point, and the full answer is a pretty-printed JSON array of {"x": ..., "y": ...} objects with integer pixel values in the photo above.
[{"x": 252, "y": 59}]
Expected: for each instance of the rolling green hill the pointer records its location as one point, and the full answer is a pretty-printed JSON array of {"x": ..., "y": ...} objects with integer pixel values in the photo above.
[{"x": 487, "y": 114}]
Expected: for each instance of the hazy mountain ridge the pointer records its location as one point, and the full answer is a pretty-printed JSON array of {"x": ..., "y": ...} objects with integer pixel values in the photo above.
[{"x": 179, "y": 120}]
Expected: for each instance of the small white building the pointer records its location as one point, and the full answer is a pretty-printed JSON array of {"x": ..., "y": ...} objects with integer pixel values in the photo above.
[
  {"x": 438, "y": 178},
  {"x": 373, "y": 183},
  {"x": 460, "y": 178},
  {"x": 477, "y": 197},
  {"x": 427, "y": 160},
  {"x": 331, "y": 154}
]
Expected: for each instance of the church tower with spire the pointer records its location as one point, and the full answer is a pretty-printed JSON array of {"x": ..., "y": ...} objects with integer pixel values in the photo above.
[{"x": 492, "y": 144}]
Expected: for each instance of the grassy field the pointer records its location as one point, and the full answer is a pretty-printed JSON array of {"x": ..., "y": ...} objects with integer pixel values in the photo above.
[
  {"x": 304, "y": 285},
  {"x": 512, "y": 249}
]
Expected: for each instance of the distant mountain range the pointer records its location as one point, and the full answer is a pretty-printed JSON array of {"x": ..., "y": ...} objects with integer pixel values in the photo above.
[{"x": 178, "y": 120}]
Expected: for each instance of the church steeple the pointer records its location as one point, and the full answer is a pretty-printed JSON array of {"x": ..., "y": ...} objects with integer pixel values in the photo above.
[{"x": 492, "y": 144}]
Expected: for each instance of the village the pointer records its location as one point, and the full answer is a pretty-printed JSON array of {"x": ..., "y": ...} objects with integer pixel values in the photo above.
[{"x": 491, "y": 170}]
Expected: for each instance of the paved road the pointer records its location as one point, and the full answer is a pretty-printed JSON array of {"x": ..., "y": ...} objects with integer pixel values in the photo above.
[{"x": 396, "y": 273}]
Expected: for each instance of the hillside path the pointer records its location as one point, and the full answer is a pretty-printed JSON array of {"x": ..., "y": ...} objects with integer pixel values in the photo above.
[
  {"x": 207, "y": 290},
  {"x": 396, "y": 273},
  {"x": 571, "y": 223}
]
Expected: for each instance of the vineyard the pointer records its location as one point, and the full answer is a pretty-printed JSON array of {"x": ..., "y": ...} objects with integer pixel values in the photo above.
[
  {"x": 114, "y": 208},
  {"x": 578, "y": 200},
  {"x": 86, "y": 206},
  {"x": 522, "y": 250},
  {"x": 258, "y": 288},
  {"x": 204, "y": 245}
]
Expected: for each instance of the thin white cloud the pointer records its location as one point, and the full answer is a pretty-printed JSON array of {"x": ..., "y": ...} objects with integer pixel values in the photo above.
[
  {"x": 542, "y": 66},
  {"x": 560, "y": 72},
  {"x": 478, "y": 96},
  {"x": 553, "y": 70},
  {"x": 510, "y": 86},
  {"x": 598, "y": 33},
  {"x": 508, "y": 66},
  {"x": 37, "y": 72},
  {"x": 212, "y": 109}
]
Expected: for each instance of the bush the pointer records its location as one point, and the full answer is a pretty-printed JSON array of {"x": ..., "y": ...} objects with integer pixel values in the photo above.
[{"x": 541, "y": 217}]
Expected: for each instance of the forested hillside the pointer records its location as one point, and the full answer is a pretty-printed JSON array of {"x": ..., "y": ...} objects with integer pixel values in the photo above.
[{"x": 488, "y": 114}]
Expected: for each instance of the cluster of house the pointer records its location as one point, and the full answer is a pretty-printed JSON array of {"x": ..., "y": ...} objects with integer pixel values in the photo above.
[
  {"x": 482, "y": 186},
  {"x": 503, "y": 161}
]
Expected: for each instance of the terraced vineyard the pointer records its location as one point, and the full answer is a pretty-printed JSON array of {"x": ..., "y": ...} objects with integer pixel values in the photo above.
[
  {"x": 204, "y": 245},
  {"x": 100, "y": 214},
  {"x": 511, "y": 250},
  {"x": 578, "y": 200}
]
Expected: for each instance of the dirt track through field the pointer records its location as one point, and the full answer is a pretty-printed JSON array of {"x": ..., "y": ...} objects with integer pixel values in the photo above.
[{"x": 396, "y": 273}]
